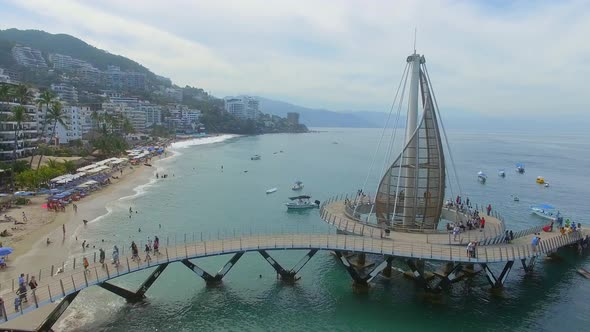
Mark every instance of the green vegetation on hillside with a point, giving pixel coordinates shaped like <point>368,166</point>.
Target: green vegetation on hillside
<point>68,45</point>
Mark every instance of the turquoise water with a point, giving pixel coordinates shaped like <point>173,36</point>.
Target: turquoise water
<point>200,200</point>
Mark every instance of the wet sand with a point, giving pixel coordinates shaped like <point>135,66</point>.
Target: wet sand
<point>31,250</point>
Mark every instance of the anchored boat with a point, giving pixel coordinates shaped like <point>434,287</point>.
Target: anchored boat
<point>545,211</point>
<point>255,157</point>
<point>297,186</point>
<point>271,190</point>
<point>302,202</point>
<point>481,177</point>
<point>502,173</point>
<point>520,168</point>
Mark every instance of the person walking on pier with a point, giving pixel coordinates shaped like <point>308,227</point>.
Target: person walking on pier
<point>116,255</point>
<point>86,264</point>
<point>134,251</point>
<point>147,253</point>
<point>101,256</point>
<point>456,231</point>
<point>489,209</point>
<point>156,245</point>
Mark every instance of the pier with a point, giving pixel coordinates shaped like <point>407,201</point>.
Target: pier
<point>62,288</point>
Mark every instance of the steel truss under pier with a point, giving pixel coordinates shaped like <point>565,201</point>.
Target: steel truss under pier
<point>288,275</point>
<point>497,282</point>
<point>216,279</point>
<point>528,268</point>
<point>362,279</point>
<point>140,293</point>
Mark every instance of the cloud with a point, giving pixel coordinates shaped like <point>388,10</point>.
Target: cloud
<point>484,57</point>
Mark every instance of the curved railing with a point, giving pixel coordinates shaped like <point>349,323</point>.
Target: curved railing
<point>77,278</point>
<point>488,235</point>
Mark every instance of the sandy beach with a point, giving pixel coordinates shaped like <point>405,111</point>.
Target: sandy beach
<point>31,251</point>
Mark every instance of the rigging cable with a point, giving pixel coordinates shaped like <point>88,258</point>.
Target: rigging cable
<point>444,132</point>
<point>381,138</point>
<point>390,147</point>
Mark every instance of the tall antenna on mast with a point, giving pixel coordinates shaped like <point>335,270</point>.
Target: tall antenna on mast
<point>415,33</point>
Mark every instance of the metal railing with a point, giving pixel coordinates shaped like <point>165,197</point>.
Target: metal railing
<point>78,277</point>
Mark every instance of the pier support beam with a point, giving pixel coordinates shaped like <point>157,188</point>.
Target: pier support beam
<point>528,268</point>
<point>216,279</point>
<point>140,293</point>
<point>47,324</point>
<point>362,282</point>
<point>288,275</point>
<point>417,268</point>
<point>497,282</point>
<point>451,276</point>
<point>388,268</point>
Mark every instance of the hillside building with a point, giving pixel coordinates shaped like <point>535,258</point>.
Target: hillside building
<point>28,57</point>
<point>243,107</point>
<point>27,136</point>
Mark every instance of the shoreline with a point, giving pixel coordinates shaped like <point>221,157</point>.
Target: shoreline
<point>30,249</point>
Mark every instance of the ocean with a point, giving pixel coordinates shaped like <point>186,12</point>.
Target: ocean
<point>199,199</point>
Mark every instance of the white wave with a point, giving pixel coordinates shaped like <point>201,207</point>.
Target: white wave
<point>201,141</point>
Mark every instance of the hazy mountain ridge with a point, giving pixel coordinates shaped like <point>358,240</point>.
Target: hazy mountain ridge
<point>315,117</point>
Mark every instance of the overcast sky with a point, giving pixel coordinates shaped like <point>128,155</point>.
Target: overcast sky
<point>493,57</point>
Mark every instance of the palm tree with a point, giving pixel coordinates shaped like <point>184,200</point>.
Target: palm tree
<point>46,98</point>
<point>56,115</point>
<point>19,115</point>
<point>127,126</point>
<point>23,94</point>
<point>70,166</point>
<point>5,92</point>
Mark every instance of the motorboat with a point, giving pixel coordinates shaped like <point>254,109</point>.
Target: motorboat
<point>255,157</point>
<point>302,202</point>
<point>545,211</point>
<point>482,177</point>
<point>502,173</point>
<point>516,199</point>
<point>520,168</point>
<point>297,186</point>
<point>272,190</point>
<point>546,184</point>
<point>540,180</point>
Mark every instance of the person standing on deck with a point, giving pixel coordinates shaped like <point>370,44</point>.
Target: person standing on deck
<point>101,256</point>
<point>489,208</point>
<point>115,255</point>
<point>86,264</point>
<point>482,223</point>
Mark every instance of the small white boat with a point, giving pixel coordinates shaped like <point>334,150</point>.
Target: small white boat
<point>520,168</point>
<point>516,199</point>
<point>271,190</point>
<point>301,203</point>
<point>545,211</point>
<point>297,186</point>
<point>255,157</point>
<point>481,177</point>
<point>502,173</point>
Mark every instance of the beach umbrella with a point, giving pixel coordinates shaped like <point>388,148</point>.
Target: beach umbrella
<point>4,251</point>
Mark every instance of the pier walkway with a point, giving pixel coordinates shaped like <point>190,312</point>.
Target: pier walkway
<point>64,286</point>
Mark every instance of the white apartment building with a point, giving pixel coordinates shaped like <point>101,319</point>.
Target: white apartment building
<point>66,93</point>
<point>136,116</point>
<point>74,119</point>
<point>28,57</point>
<point>243,107</point>
<point>153,115</point>
<point>27,134</point>
<point>66,62</point>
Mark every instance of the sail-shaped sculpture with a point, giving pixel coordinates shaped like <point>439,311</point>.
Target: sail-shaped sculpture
<point>411,193</point>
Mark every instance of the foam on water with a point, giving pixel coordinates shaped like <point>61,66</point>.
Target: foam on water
<point>201,141</point>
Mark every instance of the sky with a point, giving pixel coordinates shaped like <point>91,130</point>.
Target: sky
<point>530,58</point>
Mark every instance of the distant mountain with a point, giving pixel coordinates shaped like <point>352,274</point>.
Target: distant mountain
<point>324,118</point>
<point>63,44</point>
